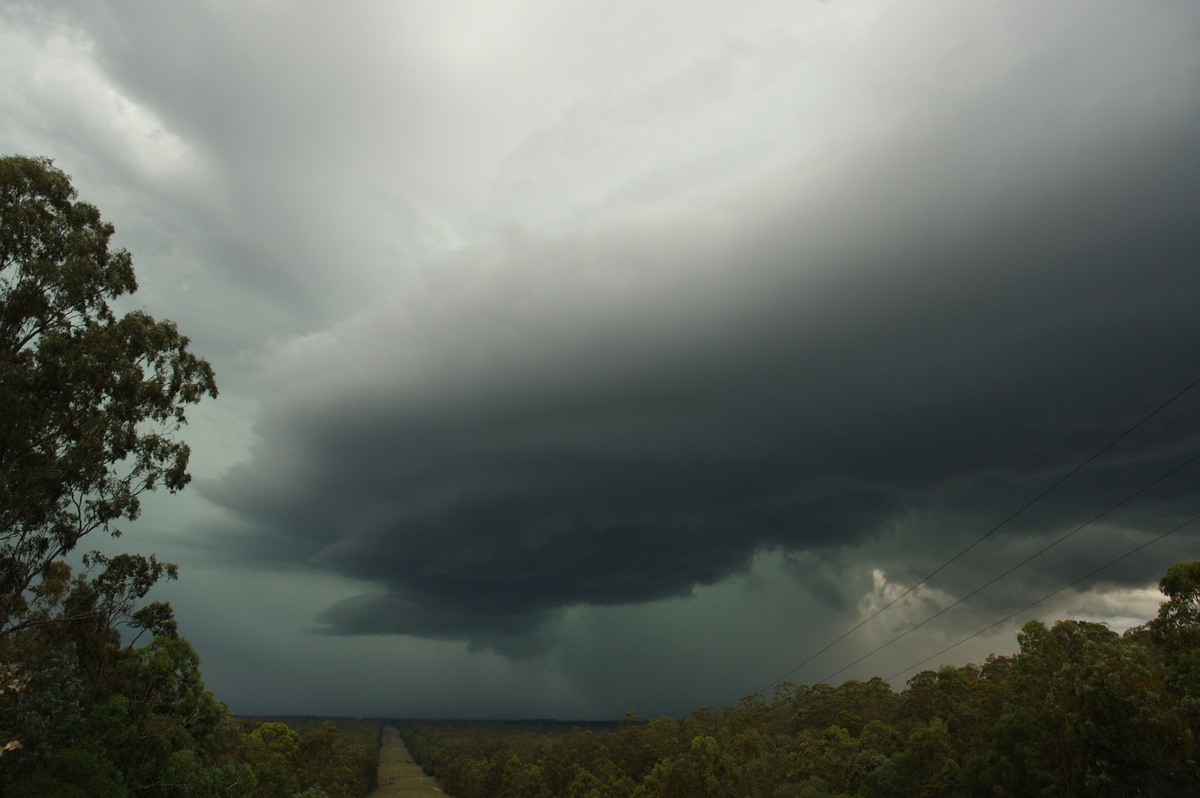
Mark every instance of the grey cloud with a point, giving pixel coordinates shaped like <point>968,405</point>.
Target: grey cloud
<point>912,339</point>
<point>835,290</point>
<point>629,340</point>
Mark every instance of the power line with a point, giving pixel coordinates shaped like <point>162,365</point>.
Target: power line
<point>1049,595</point>
<point>1022,563</point>
<point>989,533</point>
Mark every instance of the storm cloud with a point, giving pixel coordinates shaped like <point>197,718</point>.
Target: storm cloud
<point>955,313</point>
<point>584,357</point>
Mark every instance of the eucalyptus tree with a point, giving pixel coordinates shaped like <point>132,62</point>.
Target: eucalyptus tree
<point>91,402</point>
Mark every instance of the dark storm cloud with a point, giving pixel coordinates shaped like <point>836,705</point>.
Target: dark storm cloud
<point>651,345</point>
<point>929,334</point>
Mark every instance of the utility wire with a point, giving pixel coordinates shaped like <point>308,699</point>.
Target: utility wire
<point>1050,595</point>
<point>987,534</point>
<point>1022,563</point>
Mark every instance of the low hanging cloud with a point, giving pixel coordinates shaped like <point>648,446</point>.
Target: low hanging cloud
<point>545,442</point>
<point>615,405</point>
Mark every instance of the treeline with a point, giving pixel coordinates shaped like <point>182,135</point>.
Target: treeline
<point>84,714</point>
<point>1078,711</point>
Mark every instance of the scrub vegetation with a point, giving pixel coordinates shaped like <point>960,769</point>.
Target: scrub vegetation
<point>1078,711</point>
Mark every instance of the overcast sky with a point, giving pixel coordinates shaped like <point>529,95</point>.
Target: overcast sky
<point>594,356</point>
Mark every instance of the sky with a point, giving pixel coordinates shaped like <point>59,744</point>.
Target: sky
<point>579,358</point>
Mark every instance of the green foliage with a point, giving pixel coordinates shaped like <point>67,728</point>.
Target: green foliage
<point>339,765</point>
<point>274,753</point>
<point>1178,621</point>
<point>91,400</point>
<point>312,756</point>
<point>139,718</point>
<point>70,773</point>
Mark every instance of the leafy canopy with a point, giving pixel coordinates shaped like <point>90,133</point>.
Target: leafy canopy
<point>89,401</point>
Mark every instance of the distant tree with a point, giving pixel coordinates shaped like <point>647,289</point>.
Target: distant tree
<point>1179,616</point>
<point>275,756</point>
<point>89,401</point>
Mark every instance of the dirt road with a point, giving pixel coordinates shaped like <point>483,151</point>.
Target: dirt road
<point>399,775</point>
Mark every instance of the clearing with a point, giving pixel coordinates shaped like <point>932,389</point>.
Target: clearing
<point>399,775</point>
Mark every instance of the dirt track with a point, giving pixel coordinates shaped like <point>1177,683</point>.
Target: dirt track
<point>399,775</point>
